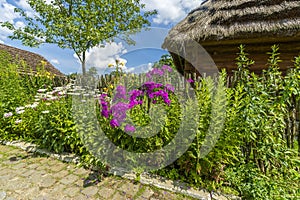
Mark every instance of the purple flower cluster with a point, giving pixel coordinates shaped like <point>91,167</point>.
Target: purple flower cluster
<point>159,71</point>
<point>133,100</point>
<point>151,89</point>
<point>129,128</point>
<point>119,111</point>
<point>105,111</point>
<point>120,93</point>
<point>166,68</point>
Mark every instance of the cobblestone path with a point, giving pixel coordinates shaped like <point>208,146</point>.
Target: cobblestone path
<point>29,176</point>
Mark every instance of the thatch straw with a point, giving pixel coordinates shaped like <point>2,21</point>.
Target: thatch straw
<point>33,60</point>
<point>220,26</point>
<point>232,19</point>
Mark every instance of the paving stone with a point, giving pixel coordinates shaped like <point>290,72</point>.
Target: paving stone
<point>58,188</point>
<point>5,172</point>
<point>146,194</point>
<point>32,166</point>
<point>8,163</point>
<point>120,196</point>
<point>129,188</point>
<point>79,183</point>
<point>44,197</point>
<point>113,183</point>
<point>16,184</point>
<point>28,173</point>
<point>47,181</point>
<point>44,160</point>
<point>106,192</point>
<point>45,178</point>
<point>80,171</point>
<point>60,174</point>
<point>36,176</point>
<point>53,162</point>
<point>80,197</point>
<point>71,168</point>
<point>11,198</point>
<point>16,151</point>
<point>32,192</point>
<point>43,168</point>
<point>58,167</point>
<point>71,178</point>
<point>21,171</point>
<point>19,165</point>
<point>2,195</point>
<point>90,191</point>
<point>71,191</point>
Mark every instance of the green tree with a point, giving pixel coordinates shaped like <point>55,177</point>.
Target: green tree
<point>79,24</point>
<point>92,71</point>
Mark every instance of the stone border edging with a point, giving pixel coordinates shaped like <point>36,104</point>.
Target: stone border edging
<point>145,178</point>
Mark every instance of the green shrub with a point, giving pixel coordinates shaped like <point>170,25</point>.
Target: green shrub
<point>256,154</point>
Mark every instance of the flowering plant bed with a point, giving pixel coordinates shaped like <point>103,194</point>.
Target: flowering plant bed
<point>256,155</point>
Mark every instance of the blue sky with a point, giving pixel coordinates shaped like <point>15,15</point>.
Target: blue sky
<point>139,57</point>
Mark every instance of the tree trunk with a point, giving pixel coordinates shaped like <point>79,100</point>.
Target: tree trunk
<point>83,64</point>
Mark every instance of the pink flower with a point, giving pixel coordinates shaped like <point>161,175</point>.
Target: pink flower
<point>113,123</point>
<point>129,128</point>
<point>190,80</point>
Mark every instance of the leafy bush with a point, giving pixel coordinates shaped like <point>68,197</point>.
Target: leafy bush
<point>257,153</point>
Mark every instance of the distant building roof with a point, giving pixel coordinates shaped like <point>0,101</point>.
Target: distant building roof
<point>220,26</point>
<point>234,19</point>
<point>33,60</point>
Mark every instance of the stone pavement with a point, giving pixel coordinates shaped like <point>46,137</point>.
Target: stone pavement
<point>26,175</point>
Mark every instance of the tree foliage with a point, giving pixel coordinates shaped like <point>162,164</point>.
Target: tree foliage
<point>79,24</point>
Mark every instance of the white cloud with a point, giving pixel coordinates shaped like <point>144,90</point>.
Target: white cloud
<point>23,4</point>
<point>26,7</point>
<point>55,61</point>
<point>144,68</point>
<point>101,57</point>
<point>4,32</point>
<point>170,11</point>
<point>7,12</point>
<point>19,24</point>
<point>1,42</point>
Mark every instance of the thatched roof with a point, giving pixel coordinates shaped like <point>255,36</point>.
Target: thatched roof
<point>220,26</point>
<point>33,60</point>
<point>234,19</point>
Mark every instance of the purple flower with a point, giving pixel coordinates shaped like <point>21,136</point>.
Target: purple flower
<point>120,93</point>
<point>135,93</point>
<point>161,93</point>
<point>190,80</point>
<point>166,68</point>
<point>105,113</point>
<point>150,86</point>
<point>157,71</point>
<point>170,87</point>
<point>119,111</point>
<point>114,123</point>
<point>104,105</point>
<point>134,102</point>
<point>148,75</point>
<point>129,128</point>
